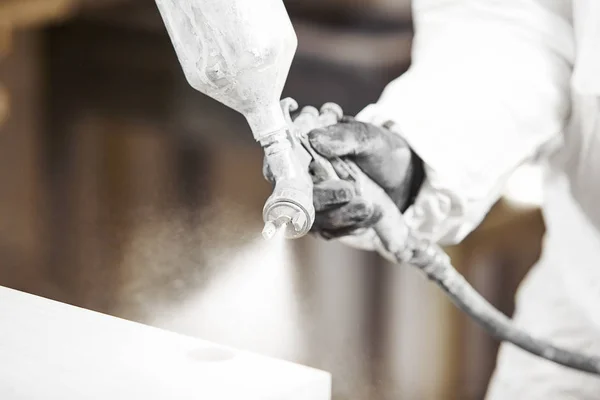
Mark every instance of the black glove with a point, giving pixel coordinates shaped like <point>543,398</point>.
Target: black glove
<point>382,155</point>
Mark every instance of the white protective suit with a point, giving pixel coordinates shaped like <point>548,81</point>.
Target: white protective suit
<point>495,83</point>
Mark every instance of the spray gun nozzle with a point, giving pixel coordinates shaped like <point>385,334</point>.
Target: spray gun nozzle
<point>269,230</point>
<point>288,156</point>
<point>290,206</point>
<point>273,227</point>
<point>281,215</point>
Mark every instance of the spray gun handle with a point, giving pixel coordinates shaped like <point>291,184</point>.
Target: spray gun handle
<point>391,232</point>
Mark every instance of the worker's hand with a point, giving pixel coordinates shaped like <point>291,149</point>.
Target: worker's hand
<point>382,155</point>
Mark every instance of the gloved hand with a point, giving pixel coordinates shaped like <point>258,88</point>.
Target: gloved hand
<point>382,155</point>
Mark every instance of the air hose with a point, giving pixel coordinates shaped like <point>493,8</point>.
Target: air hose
<point>436,265</point>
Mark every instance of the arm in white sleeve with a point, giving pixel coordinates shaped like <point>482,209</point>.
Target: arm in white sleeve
<point>488,87</point>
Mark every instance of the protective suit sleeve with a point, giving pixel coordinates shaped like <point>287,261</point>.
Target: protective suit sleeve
<point>487,89</point>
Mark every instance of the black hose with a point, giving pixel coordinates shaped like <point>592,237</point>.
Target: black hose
<point>436,265</point>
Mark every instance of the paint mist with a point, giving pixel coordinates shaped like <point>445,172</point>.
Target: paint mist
<point>241,292</point>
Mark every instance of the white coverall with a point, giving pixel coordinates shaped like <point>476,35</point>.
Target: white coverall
<point>495,83</point>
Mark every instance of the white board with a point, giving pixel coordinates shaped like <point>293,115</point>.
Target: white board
<point>50,350</point>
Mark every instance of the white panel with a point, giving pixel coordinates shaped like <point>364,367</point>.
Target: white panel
<point>50,350</point>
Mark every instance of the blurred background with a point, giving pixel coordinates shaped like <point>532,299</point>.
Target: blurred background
<point>124,191</point>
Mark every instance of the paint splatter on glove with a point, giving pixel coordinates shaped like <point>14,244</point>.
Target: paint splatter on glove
<point>383,155</point>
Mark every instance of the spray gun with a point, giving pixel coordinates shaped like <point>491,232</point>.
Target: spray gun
<point>239,52</point>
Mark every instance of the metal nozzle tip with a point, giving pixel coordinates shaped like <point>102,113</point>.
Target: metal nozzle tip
<point>269,230</point>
